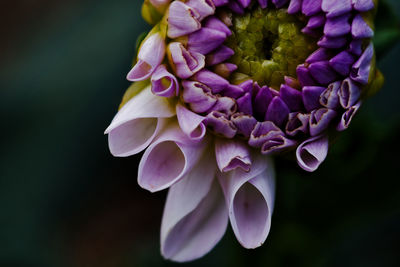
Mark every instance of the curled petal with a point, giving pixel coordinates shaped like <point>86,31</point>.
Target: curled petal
<point>195,215</point>
<point>250,200</point>
<point>342,62</point>
<point>312,152</point>
<point>277,143</point>
<point>221,54</point>
<point>232,154</point>
<point>150,56</point>
<point>226,105</point>
<point>298,123</point>
<point>220,124</point>
<point>362,68</point>
<point>347,117</point>
<point>332,42</point>
<point>320,120</point>
<point>337,26</point>
<point>137,123</point>
<point>262,132</point>
<point>304,76</point>
<point>245,104</point>
<point>244,124</point>
<point>198,96</point>
<point>349,93</point>
<point>169,158</point>
<point>163,83</point>
<point>330,97</point>
<point>182,20</point>
<point>185,63</point>
<point>191,123</point>
<point>261,101</point>
<point>204,8</point>
<point>321,54</point>
<point>322,72</point>
<point>279,3</point>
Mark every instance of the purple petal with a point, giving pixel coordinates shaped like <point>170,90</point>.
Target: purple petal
<point>151,54</point>
<point>298,123</point>
<point>216,24</point>
<point>363,5</point>
<point>233,91</point>
<point>330,97</point>
<point>332,42</point>
<point>263,3</point>
<point>245,105</point>
<point>304,76</point>
<point>356,47</point>
<point>277,112</point>
<point>195,215</point>
<point>218,123</point>
<point>322,72</point>
<point>204,8</point>
<point>276,144</point>
<point>312,152</point>
<point>221,54</point>
<point>185,63</point>
<point>232,154</point>
<point>244,124</point>
<point>226,105</point>
<point>191,123</point>
<point>347,117</point>
<point>236,7</point>
<point>334,8</point>
<point>250,200</point>
<point>311,96</point>
<point>316,21</point>
<point>262,132</point>
<point>198,96</point>
<point>163,83</point>
<point>294,6</point>
<point>169,158</point>
<point>220,2</point>
<point>137,123</point>
<point>337,26</point>
<point>212,80</point>
<point>182,20</point>
<point>321,54</point>
<point>224,69</point>
<point>342,63</point>
<point>320,120</point>
<point>349,93</point>
<point>360,29</point>
<point>279,3</point>
<point>311,7</point>
<point>292,97</point>
<point>361,69</point>
<point>205,40</point>
<point>244,3</point>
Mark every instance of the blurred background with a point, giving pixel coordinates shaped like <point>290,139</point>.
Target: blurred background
<point>65,201</point>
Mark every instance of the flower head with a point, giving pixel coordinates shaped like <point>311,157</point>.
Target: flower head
<point>220,86</point>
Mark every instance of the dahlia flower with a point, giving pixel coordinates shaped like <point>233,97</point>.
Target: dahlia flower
<point>220,88</point>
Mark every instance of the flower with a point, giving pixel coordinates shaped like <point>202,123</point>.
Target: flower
<point>223,85</point>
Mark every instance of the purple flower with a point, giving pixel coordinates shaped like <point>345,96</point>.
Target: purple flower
<point>223,85</point>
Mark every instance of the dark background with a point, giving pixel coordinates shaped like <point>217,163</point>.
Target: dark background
<point>65,201</point>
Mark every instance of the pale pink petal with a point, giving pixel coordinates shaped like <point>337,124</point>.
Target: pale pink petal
<point>137,123</point>
<point>312,152</point>
<point>232,154</point>
<point>151,54</point>
<point>250,200</point>
<point>195,216</point>
<point>169,158</point>
<point>191,123</point>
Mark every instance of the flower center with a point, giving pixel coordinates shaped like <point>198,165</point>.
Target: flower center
<point>268,45</point>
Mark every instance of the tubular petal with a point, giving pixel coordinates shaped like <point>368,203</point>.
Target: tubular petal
<point>250,200</point>
<point>169,158</point>
<point>312,152</point>
<point>137,123</point>
<point>232,154</point>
